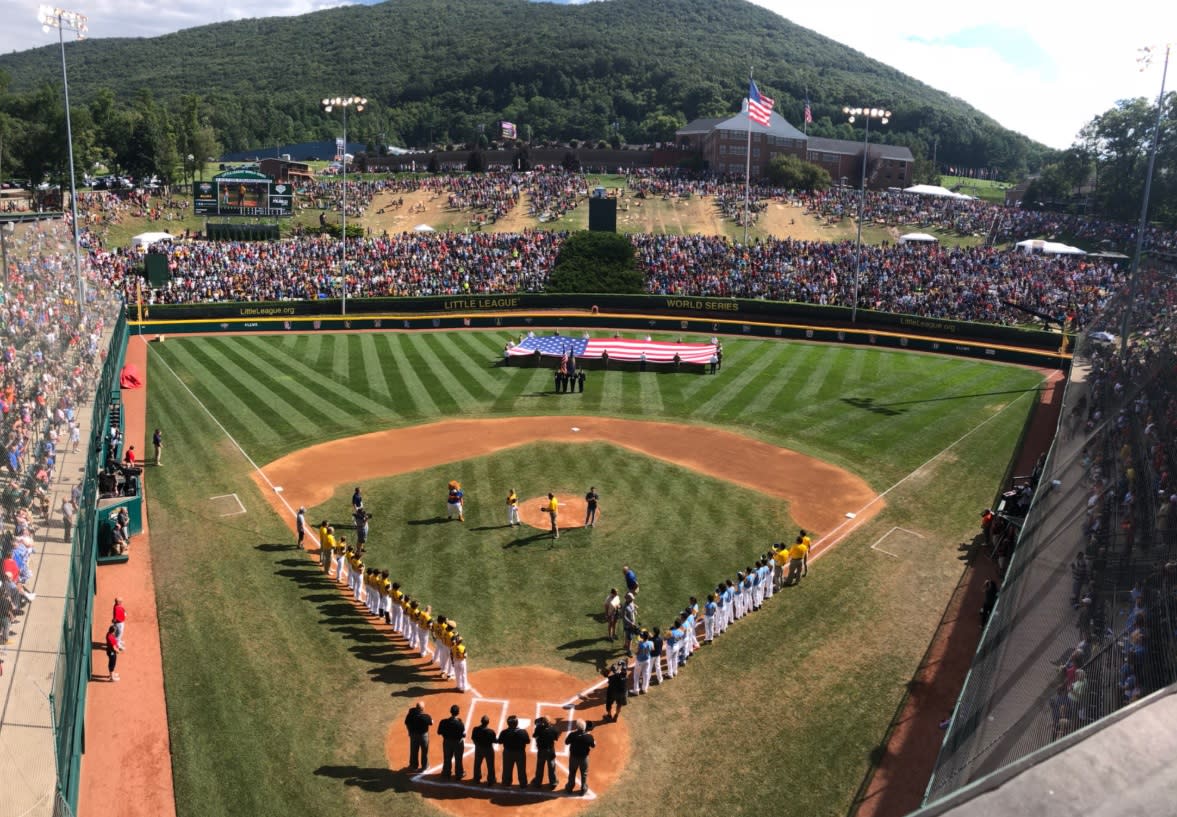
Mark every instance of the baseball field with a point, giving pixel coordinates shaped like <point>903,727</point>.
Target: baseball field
<point>284,697</point>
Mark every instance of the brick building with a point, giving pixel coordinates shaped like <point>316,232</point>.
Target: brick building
<point>723,143</point>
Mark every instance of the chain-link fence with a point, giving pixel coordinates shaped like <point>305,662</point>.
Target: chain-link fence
<point>1084,622</point>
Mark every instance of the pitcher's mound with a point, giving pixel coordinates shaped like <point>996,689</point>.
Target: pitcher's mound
<point>533,511</point>
<point>526,693</point>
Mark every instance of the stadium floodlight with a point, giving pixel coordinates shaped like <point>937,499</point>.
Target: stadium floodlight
<point>883,117</point>
<point>63,21</point>
<point>1145,60</point>
<point>328,105</point>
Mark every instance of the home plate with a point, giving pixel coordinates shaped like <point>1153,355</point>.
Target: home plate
<point>576,428</point>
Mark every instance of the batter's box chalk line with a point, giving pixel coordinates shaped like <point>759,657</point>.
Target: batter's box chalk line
<point>236,508</point>
<point>875,546</point>
<point>431,777</point>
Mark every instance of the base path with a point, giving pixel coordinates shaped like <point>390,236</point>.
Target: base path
<point>819,494</point>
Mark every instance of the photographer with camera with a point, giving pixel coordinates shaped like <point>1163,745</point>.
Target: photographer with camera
<point>616,689</point>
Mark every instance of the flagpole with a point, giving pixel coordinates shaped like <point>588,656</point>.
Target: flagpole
<point>748,156</point>
<point>804,118</point>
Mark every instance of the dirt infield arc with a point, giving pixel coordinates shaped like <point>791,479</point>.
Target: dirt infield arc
<point>819,494</point>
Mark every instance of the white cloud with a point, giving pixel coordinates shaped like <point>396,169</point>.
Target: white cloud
<point>1085,58</point>
<point>1090,53</point>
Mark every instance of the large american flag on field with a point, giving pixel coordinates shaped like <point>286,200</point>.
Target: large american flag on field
<point>759,106</point>
<point>618,348</point>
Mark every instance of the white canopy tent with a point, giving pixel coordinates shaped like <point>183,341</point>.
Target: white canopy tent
<point>1033,245</point>
<point>423,228</point>
<point>147,239</point>
<point>918,238</point>
<point>935,190</point>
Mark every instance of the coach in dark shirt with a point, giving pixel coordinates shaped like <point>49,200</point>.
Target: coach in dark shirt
<point>515,742</point>
<point>579,742</point>
<point>452,732</point>
<point>417,723</point>
<point>484,750</point>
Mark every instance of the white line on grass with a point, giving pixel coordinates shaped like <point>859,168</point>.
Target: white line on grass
<point>875,546</point>
<point>276,489</point>
<point>235,498</point>
<point>851,520</point>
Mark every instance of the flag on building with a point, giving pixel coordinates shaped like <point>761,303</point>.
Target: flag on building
<point>509,130</point>
<point>808,112</point>
<point>759,106</point>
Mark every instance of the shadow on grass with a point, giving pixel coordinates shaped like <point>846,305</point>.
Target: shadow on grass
<point>598,656</point>
<point>523,541</point>
<point>367,639</point>
<point>868,404</point>
<point>273,547</point>
<point>374,780</point>
<point>433,520</point>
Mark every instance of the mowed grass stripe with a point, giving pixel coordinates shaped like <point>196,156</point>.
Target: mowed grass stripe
<point>739,397</point>
<point>317,385</point>
<point>515,382</point>
<point>480,382</point>
<point>373,368</point>
<point>340,357</point>
<point>246,425</point>
<point>765,402</point>
<point>442,371</point>
<point>650,391</point>
<point>743,378</point>
<point>276,393</point>
<point>414,390</point>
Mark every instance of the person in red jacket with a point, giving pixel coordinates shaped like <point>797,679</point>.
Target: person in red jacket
<point>118,619</point>
<point>112,654</point>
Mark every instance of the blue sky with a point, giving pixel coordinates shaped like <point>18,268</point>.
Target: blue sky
<point>1043,68</point>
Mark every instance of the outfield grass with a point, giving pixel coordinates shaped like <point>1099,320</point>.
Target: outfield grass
<point>264,658</point>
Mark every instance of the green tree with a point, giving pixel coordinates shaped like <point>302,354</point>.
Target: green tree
<point>797,174</point>
<point>596,262</point>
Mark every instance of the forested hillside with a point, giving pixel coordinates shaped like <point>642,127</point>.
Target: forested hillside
<point>444,71</point>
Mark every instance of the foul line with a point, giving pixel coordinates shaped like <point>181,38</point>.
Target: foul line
<point>249,459</point>
<point>875,546</point>
<point>851,521</point>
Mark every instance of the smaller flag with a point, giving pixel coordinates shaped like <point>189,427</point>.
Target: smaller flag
<point>808,112</point>
<point>564,362</point>
<point>509,130</point>
<point>759,106</point>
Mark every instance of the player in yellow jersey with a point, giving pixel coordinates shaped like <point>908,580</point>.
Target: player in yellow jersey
<point>805,540</point>
<point>512,508</point>
<point>424,620</point>
<point>459,656</point>
<point>326,546</point>
<point>552,508</point>
<point>340,554</point>
<point>398,608</point>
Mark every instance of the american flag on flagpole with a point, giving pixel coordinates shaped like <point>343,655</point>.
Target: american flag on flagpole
<point>564,362</point>
<point>759,106</point>
<point>808,112</point>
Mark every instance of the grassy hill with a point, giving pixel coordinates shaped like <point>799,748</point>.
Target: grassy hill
<point>439,69</point>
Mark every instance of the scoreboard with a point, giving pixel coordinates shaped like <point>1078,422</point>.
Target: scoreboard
<point>243,193</point>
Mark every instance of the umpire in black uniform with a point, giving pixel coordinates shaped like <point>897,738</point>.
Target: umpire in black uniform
<point>515,742</point>
<point>484,741</point>
<point>452,732</point>
<point>417,723</point>
<point>545,751</point>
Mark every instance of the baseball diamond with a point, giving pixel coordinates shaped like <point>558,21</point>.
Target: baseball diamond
<point>777,430</point>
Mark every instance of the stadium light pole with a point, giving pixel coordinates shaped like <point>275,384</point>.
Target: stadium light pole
<point>1133,275</point>
<point>343,103</point>
<point>64,20</point>
<point>867,114</point>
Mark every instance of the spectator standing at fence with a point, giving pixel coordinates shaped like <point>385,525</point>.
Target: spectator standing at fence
<point>113,648</point>
<point>68,517</point>
<point>1080,573</point>
<point>118,619</point>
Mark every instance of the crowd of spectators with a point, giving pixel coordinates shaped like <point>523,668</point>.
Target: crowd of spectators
<point>49,356</point>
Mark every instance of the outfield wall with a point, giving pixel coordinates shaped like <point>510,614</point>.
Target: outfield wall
<point>654,313</point>
<point>74,654</point>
